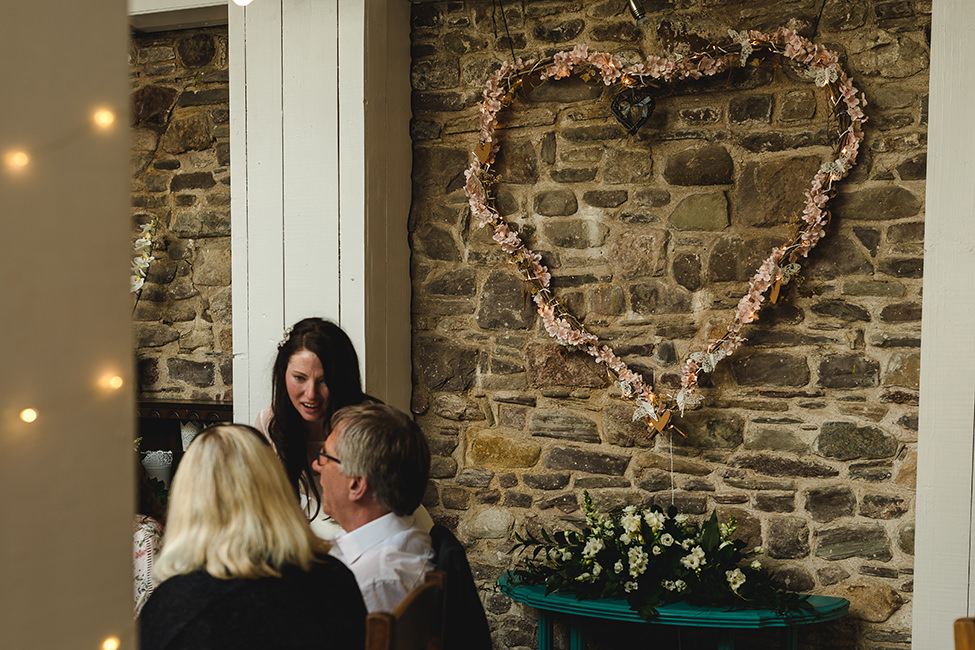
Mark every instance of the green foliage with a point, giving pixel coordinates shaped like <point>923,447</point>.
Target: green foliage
<point>159,490</point>
<point>652,557</point>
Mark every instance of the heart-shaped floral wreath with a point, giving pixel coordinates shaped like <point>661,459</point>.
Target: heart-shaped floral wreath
<point>778,268</point>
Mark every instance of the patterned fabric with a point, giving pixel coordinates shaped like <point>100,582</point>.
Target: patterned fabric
<point>146,542</point>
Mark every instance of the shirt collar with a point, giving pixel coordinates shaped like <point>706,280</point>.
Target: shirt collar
<point>356,542</point>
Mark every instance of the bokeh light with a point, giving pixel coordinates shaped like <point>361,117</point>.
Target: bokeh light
<point>16,159</point>
<point>111,381</point>
<point>103,118</point>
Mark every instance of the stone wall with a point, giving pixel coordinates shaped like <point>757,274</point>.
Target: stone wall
<point>808,434</point>
<point>181,176</point>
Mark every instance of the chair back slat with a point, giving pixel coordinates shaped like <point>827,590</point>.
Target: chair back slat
<point>965,634</point>
<point>379,631</point>
<point>416,624</point>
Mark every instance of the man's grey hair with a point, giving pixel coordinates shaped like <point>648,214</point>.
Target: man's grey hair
<point>385,446</point>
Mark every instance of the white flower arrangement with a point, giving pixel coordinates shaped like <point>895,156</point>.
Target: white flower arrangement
<point>661,557</point>
<point>593,546</point>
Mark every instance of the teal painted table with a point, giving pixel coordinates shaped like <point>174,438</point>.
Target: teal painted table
<point>823,608</point>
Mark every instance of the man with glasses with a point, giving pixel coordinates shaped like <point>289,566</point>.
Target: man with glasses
<point>373,470</point>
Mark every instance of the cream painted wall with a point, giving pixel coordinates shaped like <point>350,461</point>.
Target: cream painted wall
<point>65,480</point>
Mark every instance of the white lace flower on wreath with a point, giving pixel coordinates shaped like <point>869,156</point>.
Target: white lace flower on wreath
<point>745,43</point>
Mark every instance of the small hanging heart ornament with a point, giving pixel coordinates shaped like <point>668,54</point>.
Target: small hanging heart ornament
<point>632,105</point>
<point>659,423</point>
<point>483,152</point>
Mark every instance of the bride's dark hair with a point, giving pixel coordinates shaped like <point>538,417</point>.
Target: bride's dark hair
<point>340,366</point>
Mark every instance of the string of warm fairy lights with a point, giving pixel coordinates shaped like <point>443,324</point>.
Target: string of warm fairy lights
<point>106,383</point>
<point>18,159</point>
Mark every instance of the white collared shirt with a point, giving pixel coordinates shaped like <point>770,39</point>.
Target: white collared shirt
<point>389,557</point>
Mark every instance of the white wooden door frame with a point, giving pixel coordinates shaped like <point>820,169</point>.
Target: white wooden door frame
<point>943,547</point>
<point>320,179</point>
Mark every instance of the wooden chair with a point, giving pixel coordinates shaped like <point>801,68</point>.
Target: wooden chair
<point>416,624</point>
<point>965,634</point>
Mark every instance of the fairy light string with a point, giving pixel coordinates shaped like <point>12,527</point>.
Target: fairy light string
<point>19,158</point>
<point>778,269</point>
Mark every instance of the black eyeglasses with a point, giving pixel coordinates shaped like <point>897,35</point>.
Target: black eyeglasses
<point>322,456</point>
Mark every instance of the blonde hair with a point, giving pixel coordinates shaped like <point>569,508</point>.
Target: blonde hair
<point>232,512</point>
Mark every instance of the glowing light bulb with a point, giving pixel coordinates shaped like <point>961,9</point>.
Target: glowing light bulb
<point>16,159</point>
<point>111,381</point>
<point>103,118</point>
<point>28,415</point>
<point>242,3</point>
<point>111,643</point>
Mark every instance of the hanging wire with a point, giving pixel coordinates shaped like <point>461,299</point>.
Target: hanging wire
<point>494,10</point>
<point>671,438</point>
<point>819,17</point>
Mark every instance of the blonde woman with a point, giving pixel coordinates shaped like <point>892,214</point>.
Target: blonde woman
<point>240,568</point>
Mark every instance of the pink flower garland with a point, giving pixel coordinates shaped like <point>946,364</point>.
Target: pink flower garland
<point>821,65</point>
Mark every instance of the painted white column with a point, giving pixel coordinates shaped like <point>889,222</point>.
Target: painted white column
<point>320,184</point>
<point>944,564</point>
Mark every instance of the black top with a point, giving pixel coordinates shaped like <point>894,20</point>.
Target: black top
<point>465,624</point>
<point>318,609</point>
